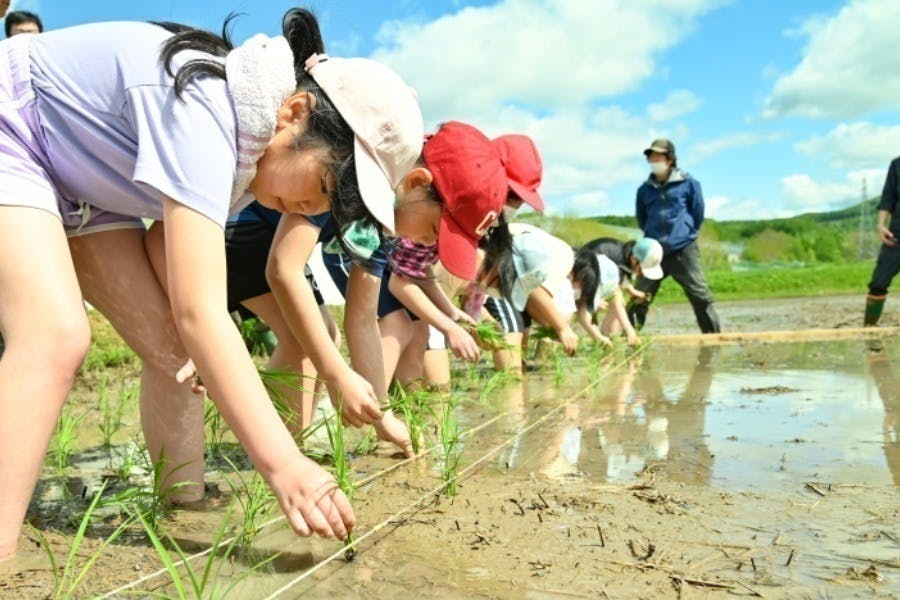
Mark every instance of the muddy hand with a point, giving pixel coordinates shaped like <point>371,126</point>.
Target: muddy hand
<point>355,398</point>
<point>393,430</point>
<point>311,499</point>
<point>189,372</point>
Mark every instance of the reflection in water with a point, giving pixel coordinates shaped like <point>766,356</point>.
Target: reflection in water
<point>745,416</point>
<point>889,390</point>
<point>688,458</point>
<point>632,423</point>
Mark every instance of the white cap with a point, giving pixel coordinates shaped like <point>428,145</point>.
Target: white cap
<point>649,254</point>
<point>383,113</point>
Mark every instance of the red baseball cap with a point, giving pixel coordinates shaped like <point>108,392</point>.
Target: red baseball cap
<point>524,168</point>
<point>471,183</point>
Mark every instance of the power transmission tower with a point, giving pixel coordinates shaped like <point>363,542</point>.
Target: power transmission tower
<point>866,225</point>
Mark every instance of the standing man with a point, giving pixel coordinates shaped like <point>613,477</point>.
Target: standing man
<point>21,21</point>
<point>888,263</point>
<point>669,209</point>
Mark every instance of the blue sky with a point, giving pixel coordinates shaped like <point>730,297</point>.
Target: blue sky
<point>776,107</point>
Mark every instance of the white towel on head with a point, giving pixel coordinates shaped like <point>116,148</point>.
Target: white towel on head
<point>260,74</point>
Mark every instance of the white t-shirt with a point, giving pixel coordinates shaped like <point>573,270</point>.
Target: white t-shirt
<point>562,257</point>
<point>116,136</point>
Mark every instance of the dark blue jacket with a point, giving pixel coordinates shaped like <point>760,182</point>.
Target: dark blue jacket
<point>670,212</point>
<point>890,194</point>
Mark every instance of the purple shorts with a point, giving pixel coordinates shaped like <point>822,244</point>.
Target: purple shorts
<point>25,178</point>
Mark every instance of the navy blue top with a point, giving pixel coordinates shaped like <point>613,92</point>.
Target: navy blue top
<point>257,213</point>
<point>670,212</point>
<point>889,195</point>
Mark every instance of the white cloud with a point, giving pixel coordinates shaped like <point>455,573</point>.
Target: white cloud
<point>586,204</point>
<point>543,68</point>
<point>724,208</point>
<point>676,104</point>
<point>707,148</point>
<point>851,65</point>
<point>802,193</point>
<point>858,145</point>
<point>539,53</point>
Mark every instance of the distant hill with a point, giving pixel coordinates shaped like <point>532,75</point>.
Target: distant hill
<point>843,220</point>
<point>821,237</point>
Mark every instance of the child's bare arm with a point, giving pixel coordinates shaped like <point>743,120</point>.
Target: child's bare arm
<point>294,241</point>
<point>195,266</point>
<point>541,307</point>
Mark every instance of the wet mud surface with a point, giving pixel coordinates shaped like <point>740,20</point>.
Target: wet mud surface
<point>756,470</point>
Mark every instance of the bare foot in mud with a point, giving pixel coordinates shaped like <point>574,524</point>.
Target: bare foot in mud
<point>393,430</point>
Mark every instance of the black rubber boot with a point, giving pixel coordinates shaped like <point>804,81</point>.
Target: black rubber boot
<point>707,318</point>
<point>874,307</point>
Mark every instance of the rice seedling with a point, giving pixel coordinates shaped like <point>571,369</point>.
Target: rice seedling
<point>130,457</point>
<point>190,582</point>
<point>452,453</point>
<point>415,407</point>
<point>341,468</point>
<point>112,415</point>
<point>216,429</point>
<point>151,502</point>
<point>497,381</point>
<point>67,577</point>
<point>487,334</point>
<point>63,441</point>
<point>279,383</point>
<point>559,369</point>
<point>367,444</point>
<point>255,499</point>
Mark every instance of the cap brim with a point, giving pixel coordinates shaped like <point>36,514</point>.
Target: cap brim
<point>530,197</point>
<point>457,251</point>
<point>653,273</point>
<point>374,186</point>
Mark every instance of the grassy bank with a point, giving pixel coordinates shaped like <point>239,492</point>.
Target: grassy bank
<point>780,282</point>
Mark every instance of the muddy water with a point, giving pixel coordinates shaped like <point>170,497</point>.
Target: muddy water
<point>745,417</point>
<point>746,469</point>
<point>769,468</point>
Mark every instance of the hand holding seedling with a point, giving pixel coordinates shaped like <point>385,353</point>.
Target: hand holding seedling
<point>311,499</point>
<point>461,315</point>
<point>463,345</point>
<point>189,372</point>
<point>569,340</point>
<point>355,398</point>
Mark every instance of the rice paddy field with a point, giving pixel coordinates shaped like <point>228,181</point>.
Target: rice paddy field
<point>764,470</point>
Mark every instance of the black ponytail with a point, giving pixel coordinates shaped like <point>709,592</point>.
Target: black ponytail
<point>326,129</point>
<point>586,273</point>
<point>189,38</point>
<point>498,255</point>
